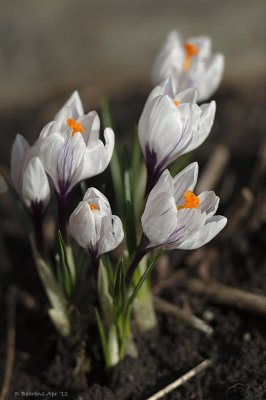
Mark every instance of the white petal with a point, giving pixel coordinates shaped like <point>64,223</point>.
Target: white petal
<point>184,181</point>
<point>212,77</point>
<point>63,160</point>
<point>35,185</point>
<point>203,44</point>
<point>214,225</point>
<point>112,234</point>
<point>201,132</point>
<point>186,96</point>
<point>85,226</point>
<point>97,199</point>
<point>159,218</point>
<point>208,203</point>
<point>91,124</point>
<point>19,148</point>
<point>73,107</point>
<point>97,155</point>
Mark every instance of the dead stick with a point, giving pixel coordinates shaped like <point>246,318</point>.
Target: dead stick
<point>226,295</point>
<point>180,381</point>
<point>214,169</point>
<point>11,335</point>
<point>171,309</point>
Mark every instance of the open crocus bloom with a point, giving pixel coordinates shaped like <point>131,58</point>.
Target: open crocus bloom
<point>28,175</point>
<point>190,64</point>
<point>93,225</point>
<point>175,218</point>
<point>171,125</point>
<point>70,148</point>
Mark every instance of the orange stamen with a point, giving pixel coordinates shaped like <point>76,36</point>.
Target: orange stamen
<point>191,200</point>
<point>191,51</point>
<point>176,102</point>
<point>93,207</point>
<point>75,126</point>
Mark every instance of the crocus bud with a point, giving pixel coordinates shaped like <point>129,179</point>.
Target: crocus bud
<point>190,64</point>
<point>175,218</point>
<point>28,174</point>
<point>70,148</point>
<point>171,125</point>
<point>93,226</point>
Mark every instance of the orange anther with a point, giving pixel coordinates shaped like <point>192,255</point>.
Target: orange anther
<point>191,51</point>
<point>191,200</point>
<point>93,207</point>
<point>176,102</point>
<point>75,126</point>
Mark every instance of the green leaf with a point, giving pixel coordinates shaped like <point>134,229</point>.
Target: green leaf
<point>103,338</point>
<point>65,268</point>
<point>135,160</point>
<point>83,187</point>
<point>130,228</point>
<point>120,288</point>
<point>114,163</point>
<point>143,277</point>
<point>106,299</point>
<point>181,163</point>
<point>109,269</point>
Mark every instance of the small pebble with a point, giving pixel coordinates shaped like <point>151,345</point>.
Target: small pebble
<point>247,336</point>
<point>208,315</point>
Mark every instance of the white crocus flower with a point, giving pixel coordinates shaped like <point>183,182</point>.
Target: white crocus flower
<point>70,148</point>
<point>171,125</point>
<point>28,175</point>
<point>190,64</point>
<point>175,218</point>
<point>93,225</point>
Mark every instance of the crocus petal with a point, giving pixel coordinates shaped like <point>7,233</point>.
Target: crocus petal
<point>186,96</point>
<point>214,72</point>
<point>63,160</point>
<point>189,222</point>
<point>112,234</point>
<point>184,181</point>
<point>213,226</point>
<point>208,203</point>
<point>91,125</point>
<point>202,43</point>
<point>160,207</point>
<point>204,127</point>
<point>94,197</point>
<point>35,185</point>
<point>84,227</point>
<point>18,152</point>
<point>72,108</point>
<point>97,156</point>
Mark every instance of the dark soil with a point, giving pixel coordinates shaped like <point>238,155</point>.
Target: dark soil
<point>45,365</point>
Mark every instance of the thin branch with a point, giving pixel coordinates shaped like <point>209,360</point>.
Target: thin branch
<point>11,336</point>
<point>225,295</point>
<point>214,169</point>
<point>171,309</point>
<point>180,381</point>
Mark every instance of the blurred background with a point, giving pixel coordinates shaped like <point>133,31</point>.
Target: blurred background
<point>107,47</point>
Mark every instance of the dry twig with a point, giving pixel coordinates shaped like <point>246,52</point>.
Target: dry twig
<point>226,295</point>
<point>214,169</point>
<point>171,309</point>
<point>11,335</point>
<point>180,381</point>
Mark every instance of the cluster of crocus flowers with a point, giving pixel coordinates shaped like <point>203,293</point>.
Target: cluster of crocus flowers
<point>69,150</point>
<point>190,63</point>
